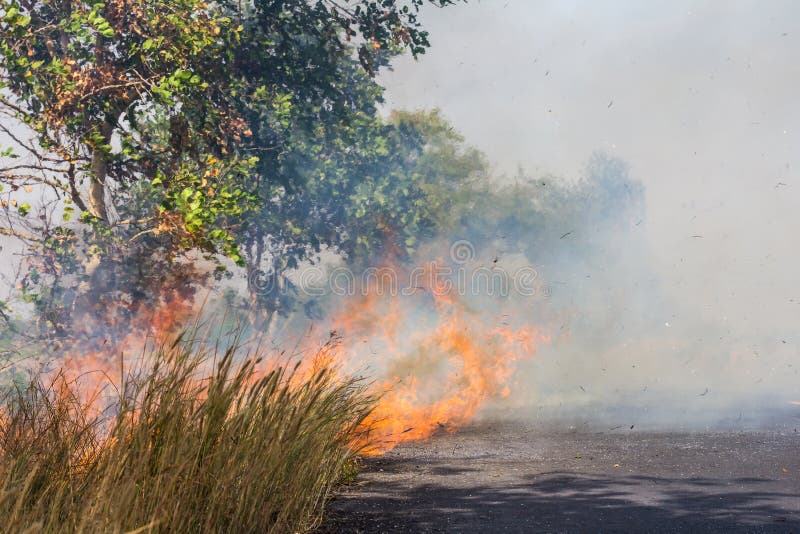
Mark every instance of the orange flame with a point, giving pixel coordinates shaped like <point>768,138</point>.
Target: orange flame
<point>103,345</point>
<point>440,360</point>
<point>442,375</point>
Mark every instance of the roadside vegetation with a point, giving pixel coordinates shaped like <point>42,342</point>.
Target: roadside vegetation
<point>197,442</point>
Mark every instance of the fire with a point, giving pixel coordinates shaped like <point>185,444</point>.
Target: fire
<point>104,345</point>
<point>437,360</point>
<point>440,369</point>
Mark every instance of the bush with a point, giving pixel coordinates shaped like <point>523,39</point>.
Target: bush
<point>248,448</point>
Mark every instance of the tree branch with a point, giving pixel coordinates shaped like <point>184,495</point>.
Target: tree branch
<point>32,167</point>
<point>19,235</point>
<point>17,178</point>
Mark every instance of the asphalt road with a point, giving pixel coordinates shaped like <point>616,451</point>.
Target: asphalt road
<point>512,478</point>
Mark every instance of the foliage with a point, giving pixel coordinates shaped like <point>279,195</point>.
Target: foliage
<point>533,215</point>
<point>248,449</point>
<point>162,124</point>
<point>361,188</point>
<point>88,78</point>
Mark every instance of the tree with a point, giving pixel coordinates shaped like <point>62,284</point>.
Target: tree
<point>151,119</point>
<point>361,187</point>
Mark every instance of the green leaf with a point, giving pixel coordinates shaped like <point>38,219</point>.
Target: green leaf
<point>24,208</point>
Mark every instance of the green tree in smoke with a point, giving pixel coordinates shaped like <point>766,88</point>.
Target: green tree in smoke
<point>166,126</point>
<point>536,214</point>
<point>361,188</point>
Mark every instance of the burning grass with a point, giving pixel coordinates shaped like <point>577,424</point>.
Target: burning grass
<point>244,449</point>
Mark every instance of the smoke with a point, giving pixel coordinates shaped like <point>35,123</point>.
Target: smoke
<point>688,318</point>
<point>627,350</point>
<point>572,263</point>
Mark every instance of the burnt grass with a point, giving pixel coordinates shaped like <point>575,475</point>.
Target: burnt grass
<point>509,477</point>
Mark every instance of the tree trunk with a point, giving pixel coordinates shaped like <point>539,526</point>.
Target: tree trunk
<point>256,313</point>
<point>97,186</point>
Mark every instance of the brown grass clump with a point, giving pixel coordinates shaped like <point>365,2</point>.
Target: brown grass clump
<point>243,450</point>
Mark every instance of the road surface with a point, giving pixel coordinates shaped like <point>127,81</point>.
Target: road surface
<point>512,478</point>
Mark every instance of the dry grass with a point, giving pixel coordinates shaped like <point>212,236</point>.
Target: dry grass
<point>242,451</point>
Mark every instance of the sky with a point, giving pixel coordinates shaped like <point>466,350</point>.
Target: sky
<point>700,98</point>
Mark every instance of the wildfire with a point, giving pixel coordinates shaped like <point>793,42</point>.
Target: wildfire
<point>104,344</point>
<point>439,368</point>
<point>437,360</point>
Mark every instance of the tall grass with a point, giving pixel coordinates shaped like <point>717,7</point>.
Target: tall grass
<point>243,450</point>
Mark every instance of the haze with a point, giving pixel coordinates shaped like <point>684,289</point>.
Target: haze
<point>700,99</point>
